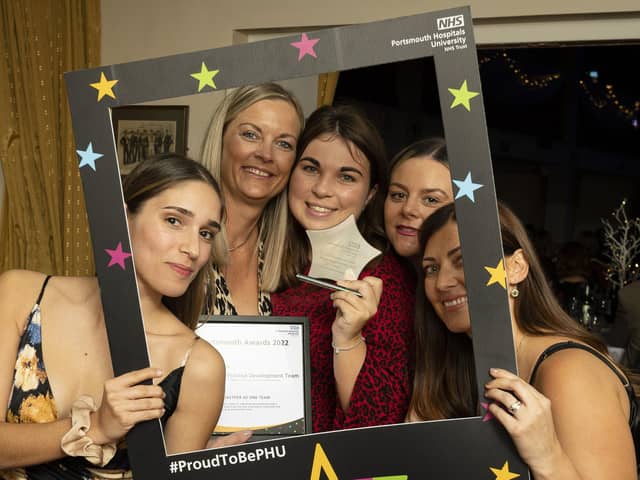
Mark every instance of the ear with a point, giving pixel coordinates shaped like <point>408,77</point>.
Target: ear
<point>372,193</point>
<point>517,267</point>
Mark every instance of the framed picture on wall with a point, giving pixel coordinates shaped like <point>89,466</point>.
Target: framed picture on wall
<point>143,131</point>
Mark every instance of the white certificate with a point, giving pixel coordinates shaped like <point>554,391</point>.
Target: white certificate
<point>265,375</point>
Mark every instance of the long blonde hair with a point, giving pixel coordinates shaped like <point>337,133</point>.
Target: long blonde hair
<point>272,226</point>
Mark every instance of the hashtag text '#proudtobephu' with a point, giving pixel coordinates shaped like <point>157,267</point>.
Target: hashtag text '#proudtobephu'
<point>225,459</point>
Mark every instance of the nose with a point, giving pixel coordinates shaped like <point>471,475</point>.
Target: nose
<point>410,208</point>
<point>446,278</point>
<point>321,188</point>
<point>191,245</point>
<point>264,150</point>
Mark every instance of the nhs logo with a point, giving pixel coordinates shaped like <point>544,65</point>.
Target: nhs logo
<point>444,23</point>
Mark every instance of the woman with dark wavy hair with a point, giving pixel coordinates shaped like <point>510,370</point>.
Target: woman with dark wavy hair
<point>569,410</point>
<point>360,345</point>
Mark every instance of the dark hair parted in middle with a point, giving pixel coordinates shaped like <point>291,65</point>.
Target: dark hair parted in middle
<point>445,380</point>
<point>352,126</point>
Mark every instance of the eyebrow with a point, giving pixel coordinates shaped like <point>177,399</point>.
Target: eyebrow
<point>342,169</point>
<point>450,253</point>
<point>190,214</point>
<point>424,190</point>
<point>282,135</point>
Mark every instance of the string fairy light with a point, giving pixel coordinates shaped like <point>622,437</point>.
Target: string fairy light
<point>609,97</point>
<point>532,81</point>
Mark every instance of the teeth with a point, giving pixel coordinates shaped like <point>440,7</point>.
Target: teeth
<point>457,301</point>
<point>255,171</point>
<point>319,209</point>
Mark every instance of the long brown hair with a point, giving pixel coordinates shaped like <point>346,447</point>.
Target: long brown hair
<point>150,178</point>
<point>351,125</point>
<point>445,381</point>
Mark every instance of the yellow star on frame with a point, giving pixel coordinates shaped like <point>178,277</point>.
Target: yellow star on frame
<point>104,86</point>
<point>498,275</point>
<point>205,77</point>
<point>504,473</point>
<point>462,95</point>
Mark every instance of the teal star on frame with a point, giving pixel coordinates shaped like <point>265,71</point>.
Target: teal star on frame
<point>88,157</point>
<point>467,187</point>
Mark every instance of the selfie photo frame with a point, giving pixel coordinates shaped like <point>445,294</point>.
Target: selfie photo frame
<point>476,447</point>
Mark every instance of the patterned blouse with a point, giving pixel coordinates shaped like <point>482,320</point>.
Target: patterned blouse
<point>223,304</point>
<point>383,387</point>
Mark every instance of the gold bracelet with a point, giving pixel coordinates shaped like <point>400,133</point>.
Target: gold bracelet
<point>76,442</point>
<point>337,349</point>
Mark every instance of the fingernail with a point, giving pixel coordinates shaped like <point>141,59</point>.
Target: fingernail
<point>158,372</point>
<point>493,370</point>
<point>248,433</point>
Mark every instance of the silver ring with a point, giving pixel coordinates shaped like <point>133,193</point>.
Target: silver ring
<point>515,406</point>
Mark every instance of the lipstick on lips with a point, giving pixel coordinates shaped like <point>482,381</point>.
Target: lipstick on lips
<point>406,231</point>
<point>181,269</point>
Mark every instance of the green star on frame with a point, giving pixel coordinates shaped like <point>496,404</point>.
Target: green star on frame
<point>462,95</point>
<point>205,77</point>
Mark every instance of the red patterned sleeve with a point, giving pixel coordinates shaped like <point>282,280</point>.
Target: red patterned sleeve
<point>382,390</point>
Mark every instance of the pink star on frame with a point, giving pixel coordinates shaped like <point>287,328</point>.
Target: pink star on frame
<point>305,46</point>
<point>487,416</point>
<point>118,256</point>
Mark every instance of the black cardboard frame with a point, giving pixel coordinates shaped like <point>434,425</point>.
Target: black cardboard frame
<point>457,449</point>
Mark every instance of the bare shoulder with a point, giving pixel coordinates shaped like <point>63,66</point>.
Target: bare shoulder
<point>21,283</point>
<point>575,373</point>
<point>18,293</point>
<point>205,364</point>
<point>72,290</point>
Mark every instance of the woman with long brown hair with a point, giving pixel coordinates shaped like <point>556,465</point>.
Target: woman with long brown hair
<point>568,410</point>
<point>68,398</point>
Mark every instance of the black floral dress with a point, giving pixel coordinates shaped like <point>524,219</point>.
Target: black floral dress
<point>31,401</point>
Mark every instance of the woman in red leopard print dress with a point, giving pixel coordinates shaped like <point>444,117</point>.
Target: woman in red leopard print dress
<point>360,347</point>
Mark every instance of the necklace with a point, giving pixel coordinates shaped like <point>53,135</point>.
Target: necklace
<point>520,344</point>
<point>231,249</point>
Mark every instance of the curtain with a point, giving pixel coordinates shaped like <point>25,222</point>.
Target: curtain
<point>44,221</point>
<point>327,83</point>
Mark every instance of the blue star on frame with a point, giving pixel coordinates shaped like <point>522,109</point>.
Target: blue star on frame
<point>467,187</point>
<point>88,157</point>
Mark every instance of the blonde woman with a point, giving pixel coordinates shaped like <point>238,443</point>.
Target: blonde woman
<point>250,149</point>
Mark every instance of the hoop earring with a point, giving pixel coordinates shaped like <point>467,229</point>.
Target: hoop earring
<point>514,292</point>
